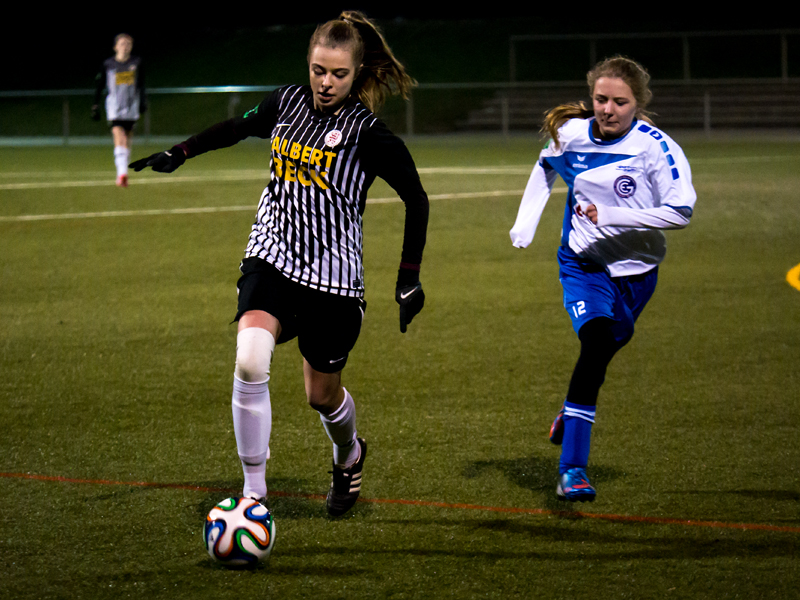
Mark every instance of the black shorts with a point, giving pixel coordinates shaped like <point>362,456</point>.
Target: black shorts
<point>326,325</point>
<point>126,125</point>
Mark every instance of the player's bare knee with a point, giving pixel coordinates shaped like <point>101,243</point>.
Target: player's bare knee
<point>254,348</point>
<point>318,400</point>
<point>324,400</point>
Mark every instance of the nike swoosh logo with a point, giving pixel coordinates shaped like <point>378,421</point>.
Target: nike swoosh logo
<point>407,294</point>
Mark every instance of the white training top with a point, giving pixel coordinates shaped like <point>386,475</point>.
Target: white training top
<point>640,183</point>
<point>122,81</point>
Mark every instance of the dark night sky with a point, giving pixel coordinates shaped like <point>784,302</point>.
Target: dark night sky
<point>32,48</point>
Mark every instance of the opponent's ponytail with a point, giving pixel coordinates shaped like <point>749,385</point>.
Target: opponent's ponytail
<point>559,115</point>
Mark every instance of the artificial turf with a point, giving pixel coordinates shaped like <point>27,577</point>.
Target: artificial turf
<point>116,351</point>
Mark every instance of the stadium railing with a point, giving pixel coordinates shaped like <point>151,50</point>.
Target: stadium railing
<point>62,116</point>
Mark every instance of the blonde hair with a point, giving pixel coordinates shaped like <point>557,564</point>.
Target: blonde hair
<point>380,74</point>
<point>119,36</point>
<point>632,73</point>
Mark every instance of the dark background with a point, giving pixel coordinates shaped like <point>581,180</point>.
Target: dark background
<point>255,45</point>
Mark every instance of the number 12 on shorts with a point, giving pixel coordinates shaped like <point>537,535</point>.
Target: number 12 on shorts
<point>579,308</point>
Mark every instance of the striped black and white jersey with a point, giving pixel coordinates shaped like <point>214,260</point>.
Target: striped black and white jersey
<point>124,85</point>
<point>309,219</point>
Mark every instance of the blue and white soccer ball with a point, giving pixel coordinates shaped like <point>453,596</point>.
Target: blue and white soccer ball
<point>239,532</point>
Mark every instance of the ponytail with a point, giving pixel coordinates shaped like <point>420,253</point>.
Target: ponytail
<point>559,115</point>
<point>380,74</point>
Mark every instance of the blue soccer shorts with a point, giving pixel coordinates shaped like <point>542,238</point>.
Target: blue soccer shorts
<point>590,292</point>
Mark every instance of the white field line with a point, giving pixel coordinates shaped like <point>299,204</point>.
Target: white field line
<point>232,175</point>
<point>229,175</point>
<point>110,182</point>
<point>248,208</point>
<point>263,174</point>
<point>259,174</point>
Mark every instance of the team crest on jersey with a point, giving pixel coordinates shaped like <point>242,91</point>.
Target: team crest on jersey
<point>333,138</point>
<point>625,186</point>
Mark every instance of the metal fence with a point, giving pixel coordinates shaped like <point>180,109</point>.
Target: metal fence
<point>682,99</point>
<point>45,111</point>
<point>705,105</point>
<point>62,116</point>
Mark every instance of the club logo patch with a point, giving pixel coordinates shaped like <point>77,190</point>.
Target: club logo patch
<point>625,186</point>
<point>333,138</point>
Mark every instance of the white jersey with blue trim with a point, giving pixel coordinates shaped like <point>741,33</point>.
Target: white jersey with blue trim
<point>640,183</point>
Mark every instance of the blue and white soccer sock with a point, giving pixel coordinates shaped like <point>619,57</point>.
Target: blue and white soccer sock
<point>578,420</point>
<point>252,410</point>
<point>341,429</point>
<point>122,156</point>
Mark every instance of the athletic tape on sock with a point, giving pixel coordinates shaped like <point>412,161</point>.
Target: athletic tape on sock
<point>254,349</point>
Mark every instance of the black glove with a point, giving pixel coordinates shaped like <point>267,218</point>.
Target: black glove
<point>95,113</point>
<point>163,162</point>
<point>409,296</point>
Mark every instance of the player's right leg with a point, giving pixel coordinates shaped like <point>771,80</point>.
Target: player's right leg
<point>576,417</point>
<point>592,302</point>
<point>250,402</point>
<point>122,152</point>
<point>265,319</point>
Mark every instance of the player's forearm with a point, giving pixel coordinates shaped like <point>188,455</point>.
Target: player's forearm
<point>415,228</point>
<point>534,199</point>
<point>661,217</point>
<point>221,135</point>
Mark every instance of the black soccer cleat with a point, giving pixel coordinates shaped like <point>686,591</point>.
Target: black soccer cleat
<point>346,485</point>
<point>264,500</point>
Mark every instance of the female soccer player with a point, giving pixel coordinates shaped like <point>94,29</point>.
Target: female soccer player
<point>121,77</point>
<point>302,275</point>
<point>626,180</point>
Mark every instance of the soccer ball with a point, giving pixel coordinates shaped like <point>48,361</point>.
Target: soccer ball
<point>239,532</point>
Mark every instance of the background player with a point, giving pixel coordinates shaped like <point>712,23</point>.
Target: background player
<point>627,180</point>
<point>122,80</point>
<point>302,275</point>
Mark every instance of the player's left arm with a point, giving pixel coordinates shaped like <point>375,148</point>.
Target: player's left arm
<point>673,195</point>
<point>387,156</point>
<point>99,88</point>
<point>257,122</point>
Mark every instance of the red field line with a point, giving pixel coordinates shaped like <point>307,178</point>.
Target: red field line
<point>425,503</point>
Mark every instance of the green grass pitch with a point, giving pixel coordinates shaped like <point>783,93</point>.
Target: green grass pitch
<point>116,354</point>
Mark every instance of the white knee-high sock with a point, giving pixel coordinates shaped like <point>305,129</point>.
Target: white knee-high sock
<point>252,410</point>
<point>121,159</point>
<point>341,429</point>
<point>252,425</point>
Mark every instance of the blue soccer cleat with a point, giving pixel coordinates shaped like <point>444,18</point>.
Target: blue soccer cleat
<point>574,486</point>
<point>557,428</point>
